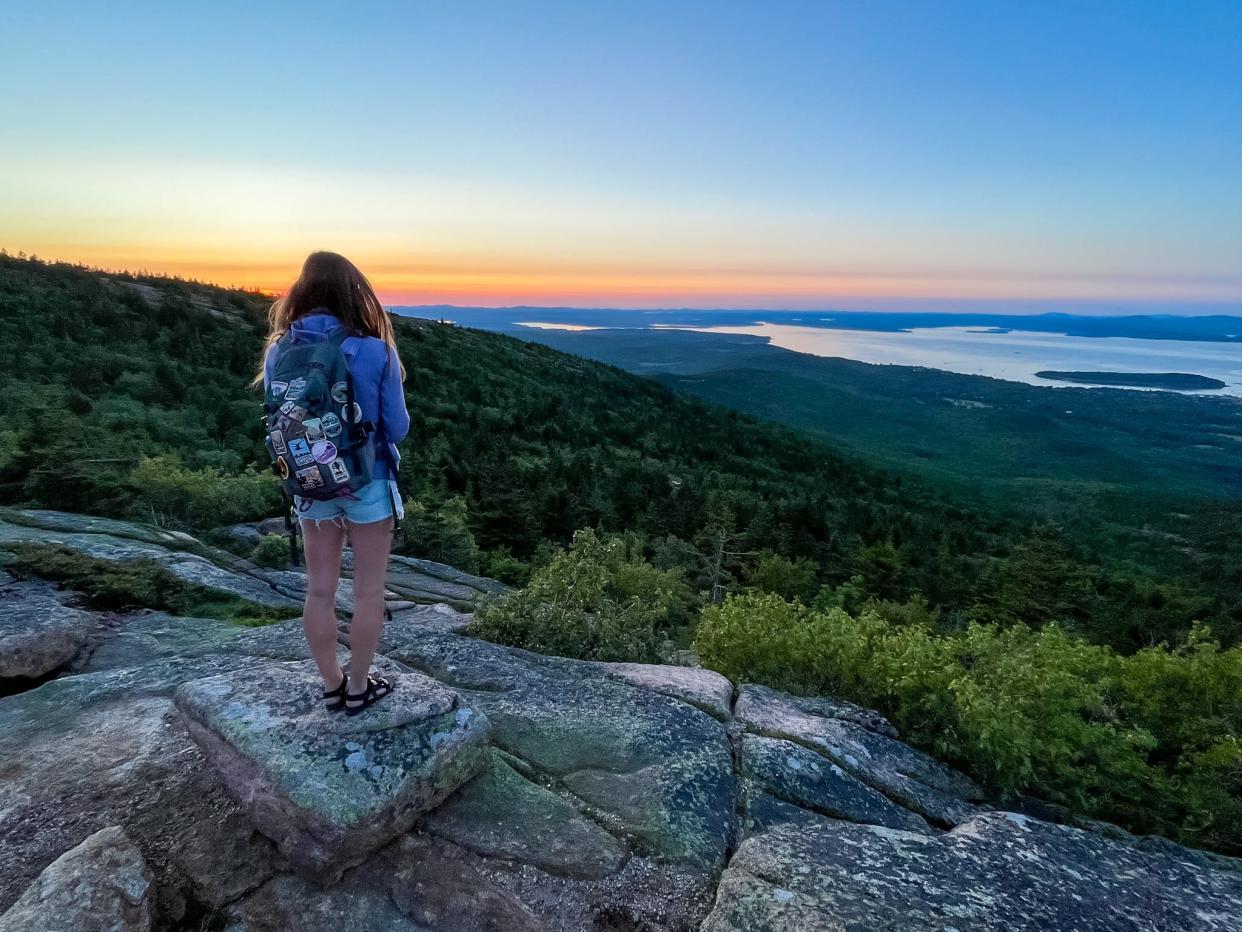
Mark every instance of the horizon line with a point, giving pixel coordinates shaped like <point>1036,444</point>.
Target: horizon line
<point>1120,307</point>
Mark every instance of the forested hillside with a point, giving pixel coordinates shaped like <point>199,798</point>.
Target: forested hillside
<point>128,396</point>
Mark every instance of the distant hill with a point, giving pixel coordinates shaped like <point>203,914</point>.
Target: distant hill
<point>1216,328</point>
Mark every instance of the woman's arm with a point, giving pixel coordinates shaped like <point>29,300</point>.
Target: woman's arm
<point>392,400</point>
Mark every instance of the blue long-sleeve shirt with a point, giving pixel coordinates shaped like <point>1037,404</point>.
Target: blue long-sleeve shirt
<point>377,381</point>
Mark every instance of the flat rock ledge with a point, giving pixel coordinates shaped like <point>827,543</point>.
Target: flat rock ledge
<point>327,788</point>
<point>997,871</point>
<point>102,885</point>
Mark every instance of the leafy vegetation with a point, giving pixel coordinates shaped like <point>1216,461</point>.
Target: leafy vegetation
<point>1149,740</point>
<point>272,551</point>
<point>1143,484</point>
<point>109,585</point>
<point>598,600</point>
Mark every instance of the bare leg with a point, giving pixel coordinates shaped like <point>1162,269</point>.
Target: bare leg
<point>323,545</point>
<point>371,543</point>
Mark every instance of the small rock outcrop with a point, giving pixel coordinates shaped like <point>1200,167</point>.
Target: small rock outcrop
<point>102,885</point>
<point>329,789</point>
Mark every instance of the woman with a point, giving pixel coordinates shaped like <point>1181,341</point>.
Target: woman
<point>329,295</point>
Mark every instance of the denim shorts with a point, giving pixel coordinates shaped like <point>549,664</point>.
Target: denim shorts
<point>373,502</point>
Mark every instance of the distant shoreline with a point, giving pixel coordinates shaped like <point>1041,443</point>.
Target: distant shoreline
<point>1181,381</point>
<point>1214,328</point>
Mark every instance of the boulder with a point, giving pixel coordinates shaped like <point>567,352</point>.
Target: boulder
<point>995,871</point>
<point>102,885</point>
<point>704,689</point>
<point>330,789</point>
<point>38,632</point>
<point>862,743</point>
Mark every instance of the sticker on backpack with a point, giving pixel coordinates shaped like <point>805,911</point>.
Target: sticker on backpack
<point>324,451</point>
<point>295,389</point>
<point>357,418</point>
<point>278,441</point>
<point>278,388</point>
<point>313,429</point>
<point>282,468</point>
<point>340,393</point>
<point>330,424</point>
<point>300,450</point>
<point>310,478</point>
<point>338,470</point>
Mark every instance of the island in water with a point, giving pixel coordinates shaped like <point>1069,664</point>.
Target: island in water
<point>1181,381</point>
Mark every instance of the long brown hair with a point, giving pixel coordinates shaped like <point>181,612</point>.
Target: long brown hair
<point>331,281</point>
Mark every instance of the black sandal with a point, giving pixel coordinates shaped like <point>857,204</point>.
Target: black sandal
<point>377,689</point>
<point>334,699</point>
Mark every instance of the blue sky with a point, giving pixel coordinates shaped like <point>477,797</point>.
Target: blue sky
<point>941,155</point>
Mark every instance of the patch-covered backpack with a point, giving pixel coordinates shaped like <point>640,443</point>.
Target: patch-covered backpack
<point>319,445</point>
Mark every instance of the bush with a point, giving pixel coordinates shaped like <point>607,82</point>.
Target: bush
<point>599,600</point>
<point>1150,741</point>
<point>503,565</point>
<point>790,579</point>
<point>201,498</point>
<point>272,551</point>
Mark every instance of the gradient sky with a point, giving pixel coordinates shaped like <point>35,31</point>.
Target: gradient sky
<point>968,155</point>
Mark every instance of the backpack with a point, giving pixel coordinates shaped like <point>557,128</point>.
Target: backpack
<point>319,445</point>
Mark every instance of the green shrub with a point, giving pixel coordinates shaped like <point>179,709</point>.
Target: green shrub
<point>599,600</point>
<point>1150,741</point>
<point>791,579</point>
<point>109,585</point>
<point>503,565</point>
<point>201,498</point>
<point>272,551</point>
